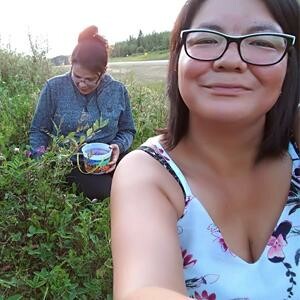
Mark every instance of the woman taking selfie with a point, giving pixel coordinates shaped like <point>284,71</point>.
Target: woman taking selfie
<point>212,208</point>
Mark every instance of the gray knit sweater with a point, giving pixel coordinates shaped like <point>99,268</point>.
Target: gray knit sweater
<point>61,103</point>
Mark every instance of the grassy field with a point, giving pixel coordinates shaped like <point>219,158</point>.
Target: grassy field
<point>144,72</point>
<point>55,244</point>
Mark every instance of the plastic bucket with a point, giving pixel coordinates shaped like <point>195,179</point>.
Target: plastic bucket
<point>96,157</point>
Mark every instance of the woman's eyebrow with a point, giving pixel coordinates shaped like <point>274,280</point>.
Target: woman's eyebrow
<point>74,73</point>
<point>88,77</point>
<point>210,26</point>
<point>251,29</point>
<point>263,27</point>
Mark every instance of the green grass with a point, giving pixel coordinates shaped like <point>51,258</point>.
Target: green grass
<point>54,244</point>
<point>155,55</point>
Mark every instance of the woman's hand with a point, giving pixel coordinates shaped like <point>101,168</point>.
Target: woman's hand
<point>114,157</point>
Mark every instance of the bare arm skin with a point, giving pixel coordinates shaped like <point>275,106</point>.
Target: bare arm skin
<point>145,246</point>
<point>152,293</point>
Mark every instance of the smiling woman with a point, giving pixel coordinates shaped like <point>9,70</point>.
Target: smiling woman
<point>73,102</point>
<point>215,204</point>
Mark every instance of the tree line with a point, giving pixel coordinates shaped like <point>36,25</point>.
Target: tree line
<point>143,43</point>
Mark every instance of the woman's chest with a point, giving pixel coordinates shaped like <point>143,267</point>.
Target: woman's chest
<point>217,263</point>
<point>246,209</point>
<point>82,113</point>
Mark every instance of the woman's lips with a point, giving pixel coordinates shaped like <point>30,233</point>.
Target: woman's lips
<point>83,90</point>
<point>227,89</point>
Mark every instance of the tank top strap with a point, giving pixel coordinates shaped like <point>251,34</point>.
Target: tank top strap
<point>295,156</point>
<point>156,150</point>
<point>294,150</point>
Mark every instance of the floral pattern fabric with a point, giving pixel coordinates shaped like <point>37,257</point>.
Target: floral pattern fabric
<point>212,271</point>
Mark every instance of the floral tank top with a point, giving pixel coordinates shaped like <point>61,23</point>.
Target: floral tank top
<point>212,271</point>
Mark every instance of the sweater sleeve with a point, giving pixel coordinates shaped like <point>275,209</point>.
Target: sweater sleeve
<point>42,122</point>
<point>126,128</point>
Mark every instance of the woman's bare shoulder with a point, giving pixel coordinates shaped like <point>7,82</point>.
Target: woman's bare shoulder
<point>139,164</point>
<point>139,173</point>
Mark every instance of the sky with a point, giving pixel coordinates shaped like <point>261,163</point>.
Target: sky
<point>56,24</point>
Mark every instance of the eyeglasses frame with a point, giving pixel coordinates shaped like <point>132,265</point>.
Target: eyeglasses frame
<point>95,83</point>
<point>238,40</point>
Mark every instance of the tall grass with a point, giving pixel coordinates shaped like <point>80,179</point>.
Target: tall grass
<point>21,78</point>
<point>54,244</point>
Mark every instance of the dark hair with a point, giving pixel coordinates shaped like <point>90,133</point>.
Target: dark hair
<point>279,120</point>
<point>91,52</point>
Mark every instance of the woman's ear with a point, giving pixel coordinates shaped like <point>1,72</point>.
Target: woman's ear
<point>297,127</point>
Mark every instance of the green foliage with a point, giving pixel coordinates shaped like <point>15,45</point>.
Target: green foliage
<point>23,72</point>
<point>16,111</point>
<point>54,243</point>
<point>148,108</point>
<point>21,78</point>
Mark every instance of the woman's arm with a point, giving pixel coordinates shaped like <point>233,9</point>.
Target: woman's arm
<point>126,129</point>
<point>150,293</point>
<point>42,123</point>
<point>145,245</point>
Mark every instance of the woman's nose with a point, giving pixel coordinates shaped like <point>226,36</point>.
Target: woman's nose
<point>81,83</point>
<point>231,59</point>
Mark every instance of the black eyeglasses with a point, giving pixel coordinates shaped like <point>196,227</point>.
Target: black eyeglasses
<point>260,49</point>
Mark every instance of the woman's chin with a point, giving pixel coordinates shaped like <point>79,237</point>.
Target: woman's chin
<point>228,116</point>
<point>84,92</point>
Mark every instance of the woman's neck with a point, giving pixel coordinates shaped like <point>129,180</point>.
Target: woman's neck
<point>227,148</point>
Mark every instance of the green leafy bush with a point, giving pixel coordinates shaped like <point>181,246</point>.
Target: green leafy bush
<point>148,107</point>
<point>54,243</point>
